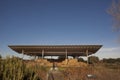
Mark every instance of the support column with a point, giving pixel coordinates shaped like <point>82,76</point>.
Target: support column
<point>22,53</point>
<point>35,57</point>
<point>87,56</point>
<point>42,53</point>
<point>66,55</point>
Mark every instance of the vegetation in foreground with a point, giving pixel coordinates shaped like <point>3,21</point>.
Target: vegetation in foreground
<point>17,69</point>
<point>14,69</point>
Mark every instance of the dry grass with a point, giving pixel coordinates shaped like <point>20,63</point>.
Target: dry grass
<point>16,69</point>
<point>99,72</point>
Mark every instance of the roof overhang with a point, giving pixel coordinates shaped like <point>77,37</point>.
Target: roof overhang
<point>56,50</point>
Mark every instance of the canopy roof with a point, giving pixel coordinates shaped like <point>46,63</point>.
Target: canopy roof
<point>56,50</point>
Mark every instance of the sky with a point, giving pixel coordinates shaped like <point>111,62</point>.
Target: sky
<point>58,22</point>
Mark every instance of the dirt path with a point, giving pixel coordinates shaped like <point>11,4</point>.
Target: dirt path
<point>55,75</point>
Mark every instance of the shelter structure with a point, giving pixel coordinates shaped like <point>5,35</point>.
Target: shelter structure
<point>56,50</point>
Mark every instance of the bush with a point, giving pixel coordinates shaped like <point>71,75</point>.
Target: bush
<point>111,60</point>
<point>93,59</point>
<point>81,60</point>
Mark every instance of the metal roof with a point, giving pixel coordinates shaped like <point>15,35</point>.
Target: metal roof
<point>56,50</point>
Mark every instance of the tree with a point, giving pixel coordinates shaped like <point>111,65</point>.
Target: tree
<point>0,56</point>
<point>81,60</point>
<point>93,59</point>
<point>118,60</point>
<point>111,60</point>
<point>61,58</point>
<point>114,11</point>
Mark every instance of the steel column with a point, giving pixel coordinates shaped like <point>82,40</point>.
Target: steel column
<point>22,53</point>
<point>87,56</point>
<point>66,53</point>
<point>42,53</point>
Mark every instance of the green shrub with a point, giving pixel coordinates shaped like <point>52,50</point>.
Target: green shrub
<point>14,69</point>
<point>81,60</point>
<point>0,57</point>
<point>93,59</point>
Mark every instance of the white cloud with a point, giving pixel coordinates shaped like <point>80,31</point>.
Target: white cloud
<point>113,52</point>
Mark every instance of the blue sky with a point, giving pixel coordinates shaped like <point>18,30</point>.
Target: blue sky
<point>57,22</point>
